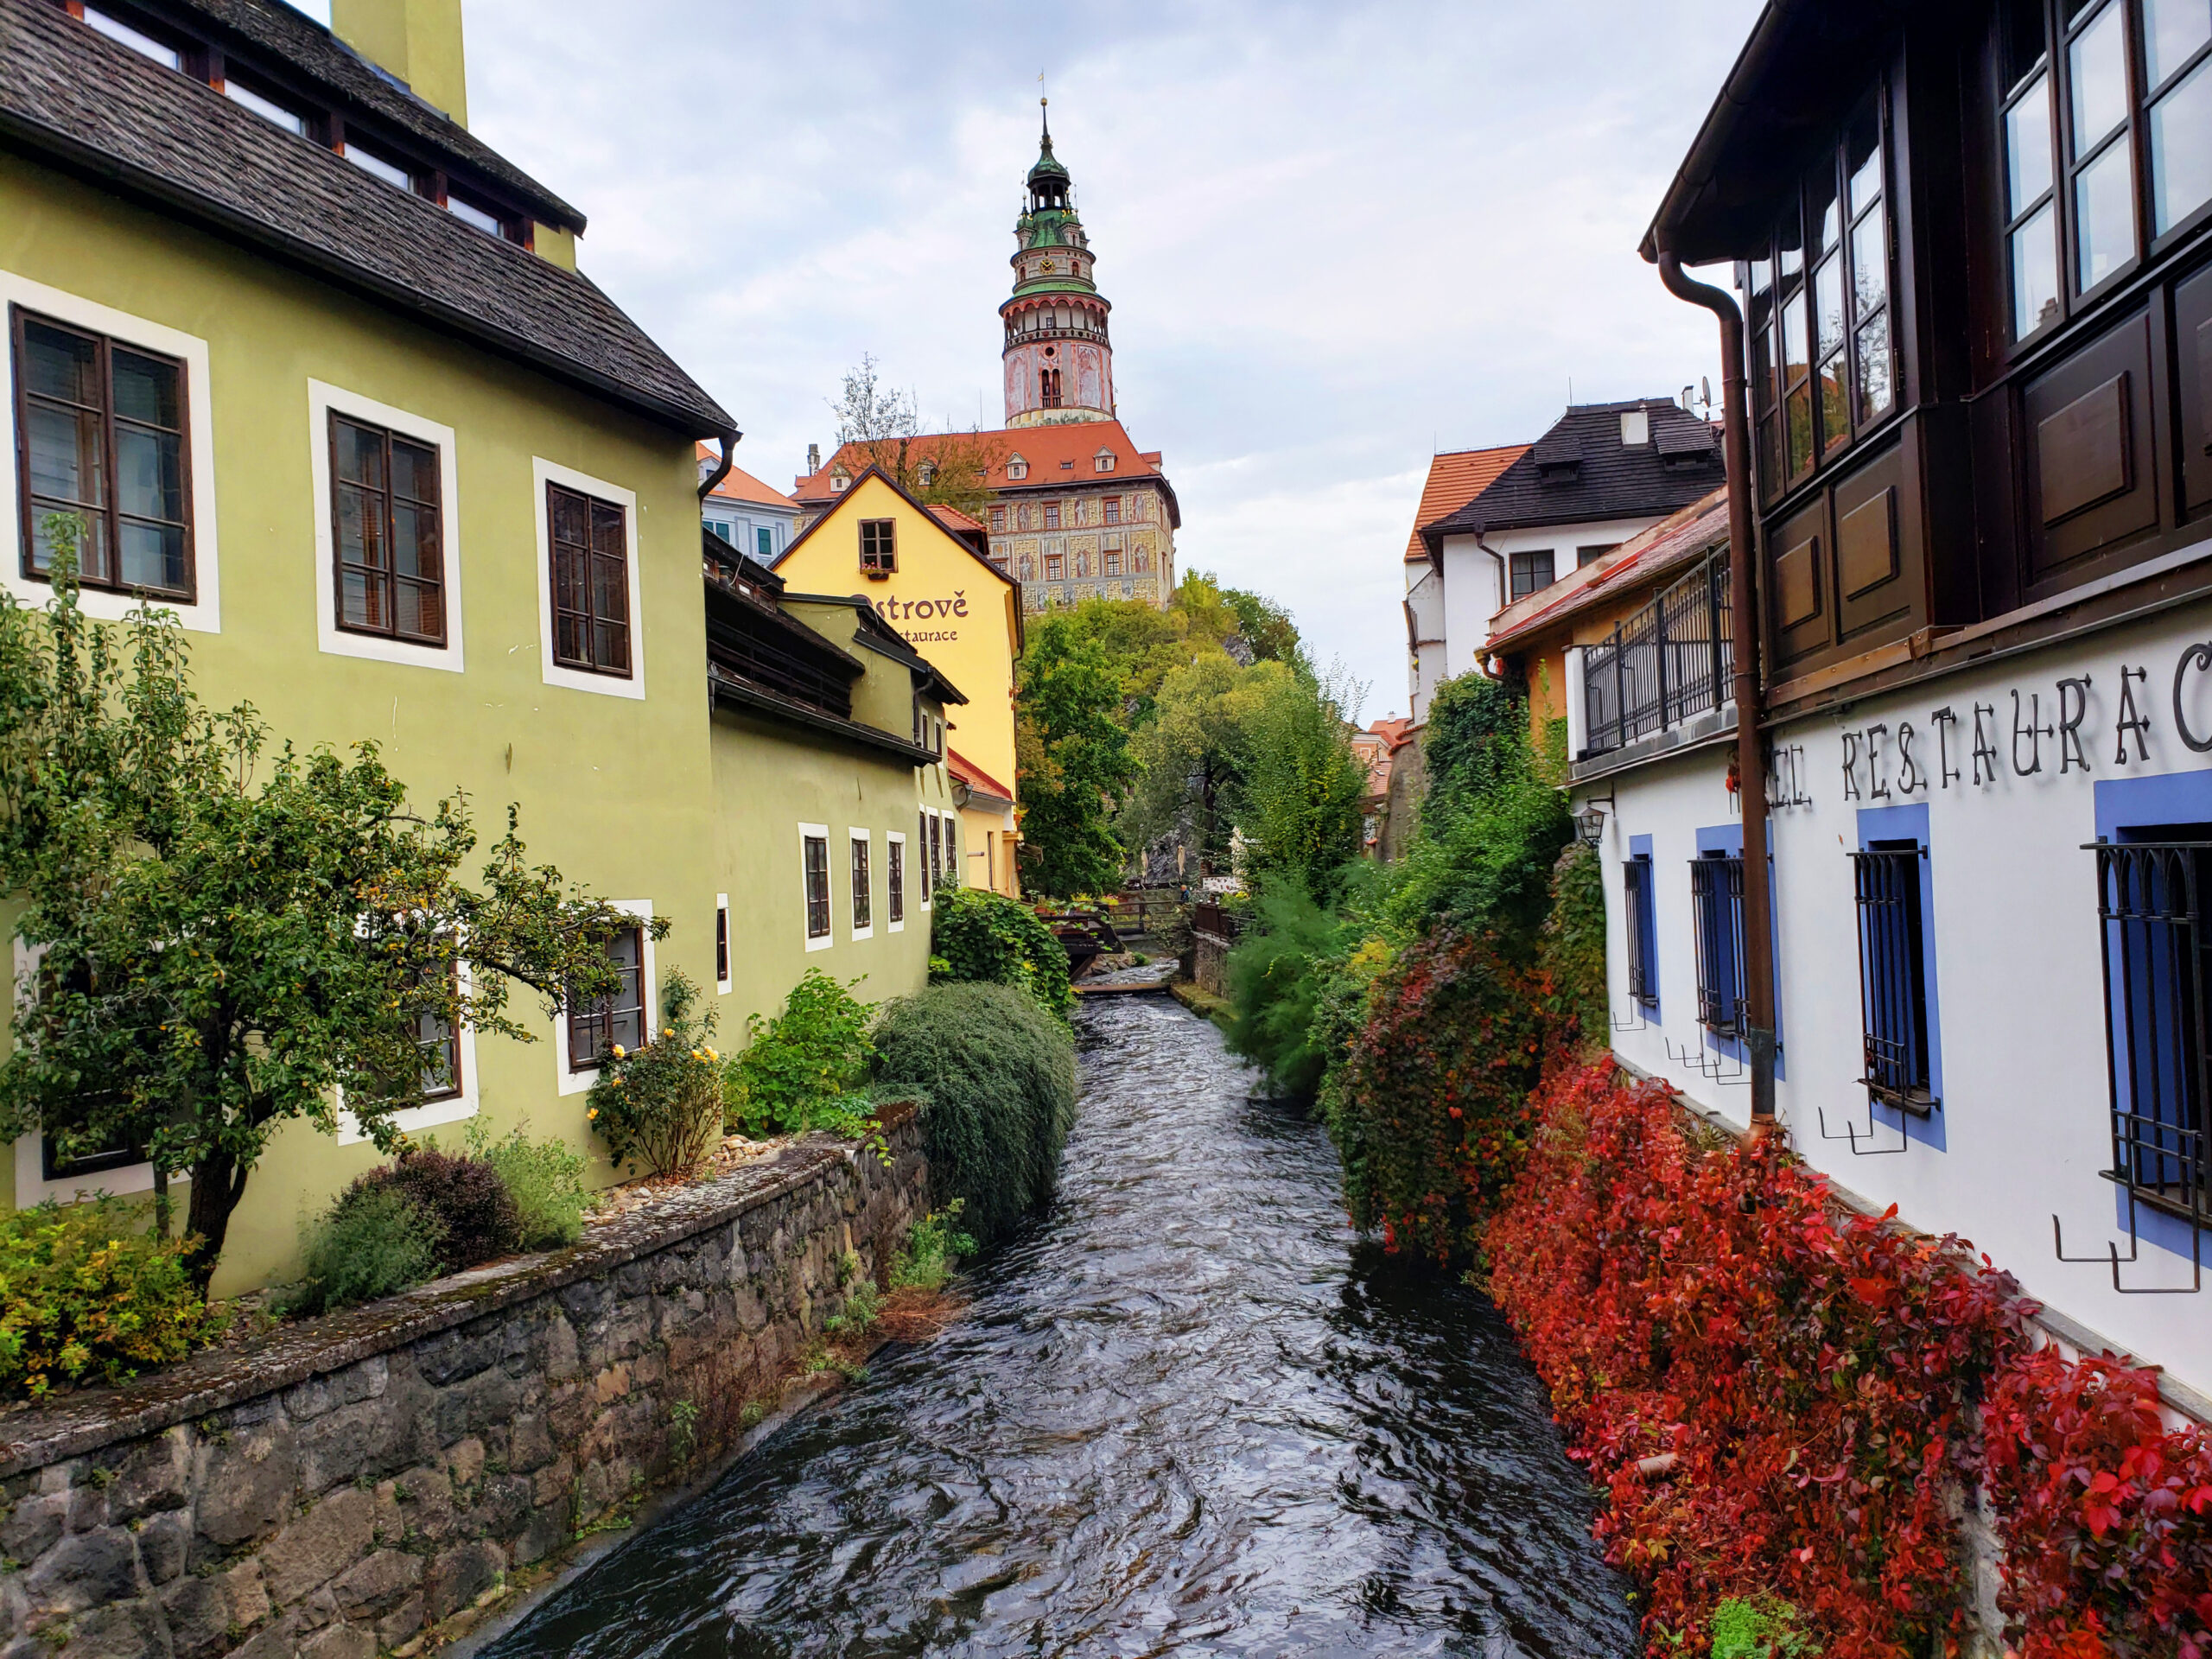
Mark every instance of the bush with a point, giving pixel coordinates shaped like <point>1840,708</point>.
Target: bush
<point>376,1241</point>
<point>474,1212</point>
<point>1275,978</point>
<point>997,1075</point>
<point>86,1294</point>
<point>1432,1115</point>
<point>544,1179</point>
<point>932,1250</point>
<point>806,1068</point>
<point>1572,948</point>
<point>661,1105</point>
<point>977,937</point>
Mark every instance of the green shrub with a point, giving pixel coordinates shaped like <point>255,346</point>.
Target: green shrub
<point>375,1241</point>
<point>1275,978</point>
<point>932,1250</point>
<point>86,1294</point>
<point>1571,949</point>
<point>660,1106</point>
<point>806,1069</point>
<point>986,938</point>
<point>997,1075</point>
<point>1757,1630</point>
<point>466,1197</point>
<point>545,1179</point>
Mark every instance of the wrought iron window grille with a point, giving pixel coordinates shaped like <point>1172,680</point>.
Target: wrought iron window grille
<point>1893,977</point>
<point>1670,660</point>
<point>1717,901</point>
<point>1642,931</point>
<point>2149,903</point>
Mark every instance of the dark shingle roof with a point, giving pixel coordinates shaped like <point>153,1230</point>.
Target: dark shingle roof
<point>1579,472</point>
<point>313,52</point>
<point>72,97</point>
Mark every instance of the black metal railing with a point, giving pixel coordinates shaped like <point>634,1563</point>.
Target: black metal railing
<point>2149,896</point>
<point>1892,976</point>
<point>1668,661</point>
<point>1717,900</point>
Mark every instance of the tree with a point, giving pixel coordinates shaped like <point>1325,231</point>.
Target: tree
<point>878,424</point>
<point>1298,806</point>
<point>1072,758</point>
<point>218,953</point>
<point>1194,753</point>
<point>1265,626</point>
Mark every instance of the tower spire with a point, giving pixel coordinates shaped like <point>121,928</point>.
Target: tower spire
<point>1059,363</point>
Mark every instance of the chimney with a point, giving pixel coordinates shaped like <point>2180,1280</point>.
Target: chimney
<point>813,459</point>
<point>417,41</point>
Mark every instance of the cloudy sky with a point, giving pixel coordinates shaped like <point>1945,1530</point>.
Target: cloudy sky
<point>1335,238</point>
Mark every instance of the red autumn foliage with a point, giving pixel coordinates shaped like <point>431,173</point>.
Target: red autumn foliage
<point>2105,1511</point>
<point>1435,1107</point>
<point>1813,1374</point>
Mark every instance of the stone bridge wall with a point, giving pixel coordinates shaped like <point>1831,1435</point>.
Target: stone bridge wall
<point>356,1481</point>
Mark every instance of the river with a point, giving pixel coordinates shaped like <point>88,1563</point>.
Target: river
<point>1186,1413</point>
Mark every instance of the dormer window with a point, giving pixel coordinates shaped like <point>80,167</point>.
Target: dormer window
<point>469,213</point>
<point>375,165</point>
<point>1016,466</point>
<point>267,108</point>
<point>1103,462</point>
<point>144,44</point>
<point>837,483</point>
<point>928,474</point>
<point>1635,428</point>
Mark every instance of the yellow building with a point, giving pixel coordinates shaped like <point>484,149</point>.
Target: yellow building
<point>952,605</point>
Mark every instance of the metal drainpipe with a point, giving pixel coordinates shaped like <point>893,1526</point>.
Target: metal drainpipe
<point>1504,598</point>
<point>1751,765</point>
<point>721,470</point>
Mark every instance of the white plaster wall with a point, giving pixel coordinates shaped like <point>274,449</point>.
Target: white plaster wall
<point>2020,1018</point>
<point>1425,602</point>
<point>1471,600</point>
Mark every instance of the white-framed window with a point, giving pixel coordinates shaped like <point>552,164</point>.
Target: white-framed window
<point>203,613</point>
<point>575,1072</point>
<point>814,894</point>
<point>387,563</point>
<point>455,1104</point>
<point>894,875</point>
<point>36,1181</point>
<point>547,476</point>
<point>1103,462</point>
<point>860,861</point>
<point>722,945</point>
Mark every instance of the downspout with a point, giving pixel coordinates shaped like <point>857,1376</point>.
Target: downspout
<point>1743,616</point>
<point>1504,593</point>
<point>729,439</point>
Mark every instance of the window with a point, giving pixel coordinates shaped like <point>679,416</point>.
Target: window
<point>1717,902</point>
<point>1591,554</point>
<point>101,440</point>
<point>145,44</point>
<point>722,528</point>
<point>439,1040</point>
<point>1530,571</point>
<point>878,545</point>
<point>816,872</point>
<point>596,1025</point>
<point>922,854</point>
<point>937,852</point>
<point>591,581</point>
<point>764,541</point>
<point>1103,462</point>
<point>1016,466</point>
<point>1051,515</point>
<point>1893,974</point>
<point>469,213</point>
<point>267,108</point>
<point>721,942</point>
<point>863,897</point>
<point>115,1150</point>
<point>391,172</point>
<point>2151,894</point>
<point>894,873</point>
<point>1113,509</point>
<point>1048,387</point>
<point>1639,910</point>
<point>1113,563</point>
<point>386,522</point>
<point>1052,566</point>
<point>838,482</point>
<point>998,518</point>
<point>2178,88</point>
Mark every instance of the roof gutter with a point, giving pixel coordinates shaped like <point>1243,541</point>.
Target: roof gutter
<point>1700,166</point>
<point>1744,600</point>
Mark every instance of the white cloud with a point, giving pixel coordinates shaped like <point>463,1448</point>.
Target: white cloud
<point>1335,238</point>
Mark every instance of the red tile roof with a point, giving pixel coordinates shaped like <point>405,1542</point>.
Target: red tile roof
<point>1056,456</point>
<point>974,776</point>
<point>1673,542</point>
<point>1454,479</point>
<point>741,486</point>
<point>952,518</point>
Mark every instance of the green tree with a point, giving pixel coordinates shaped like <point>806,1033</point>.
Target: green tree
<point>1265,626</point>
<point>1194,754</point>
<point>1073,760</point>
<point>227,939</point>
<point>1298,805</point>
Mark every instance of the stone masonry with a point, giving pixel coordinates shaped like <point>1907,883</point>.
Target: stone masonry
<point>356,1481</point>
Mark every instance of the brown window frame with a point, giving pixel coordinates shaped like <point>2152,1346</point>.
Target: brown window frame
<point>1053,566</point>
<point>863,886</point>
<point>108,510</point>
<point>592,621</point>
<point>602,1011</point>
<point>880,545</point>
<point>895,870</point>
<point>1113,509</point>
<point>722,945</point>
<point>1051,515</point>
<point>812,868</point>
<point>339,485</point>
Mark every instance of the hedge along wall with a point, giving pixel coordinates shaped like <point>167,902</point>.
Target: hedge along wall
<point>364,1477</point>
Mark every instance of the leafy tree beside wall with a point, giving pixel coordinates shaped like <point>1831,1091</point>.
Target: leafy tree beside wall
<point>1072,758</point>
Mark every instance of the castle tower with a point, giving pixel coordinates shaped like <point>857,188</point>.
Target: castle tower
<point>1059,363</point>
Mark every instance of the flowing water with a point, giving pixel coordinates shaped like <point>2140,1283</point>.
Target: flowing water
<point>1183,1412</point>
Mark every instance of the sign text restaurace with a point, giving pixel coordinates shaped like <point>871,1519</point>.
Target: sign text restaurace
<point>2036,731</point>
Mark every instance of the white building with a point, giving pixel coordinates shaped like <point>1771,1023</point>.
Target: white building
<point>1455,478</point>
<point>755,518</point>
<point>1603,474</point>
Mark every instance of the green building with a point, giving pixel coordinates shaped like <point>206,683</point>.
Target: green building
<point>318,370</point>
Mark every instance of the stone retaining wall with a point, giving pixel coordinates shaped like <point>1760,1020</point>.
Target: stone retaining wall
<point>355,1482</point>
